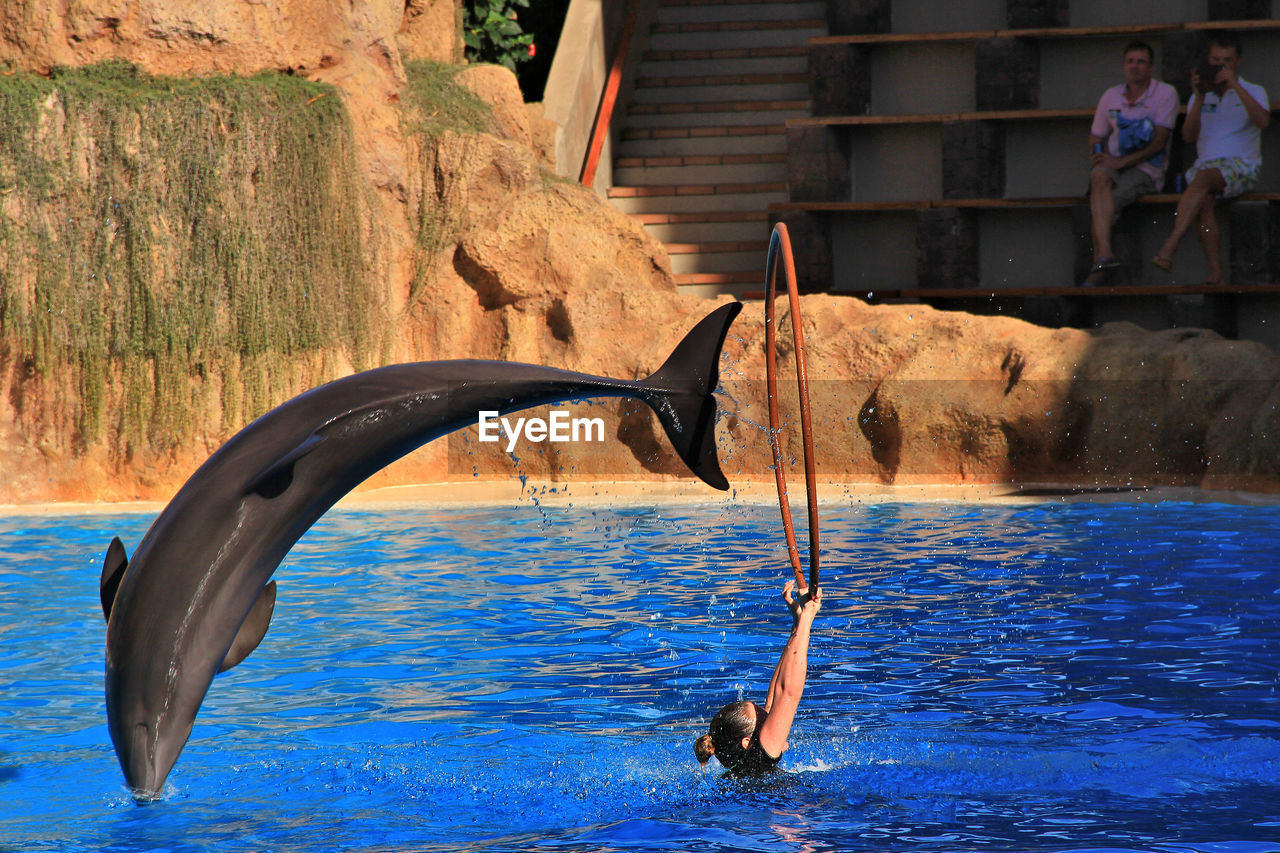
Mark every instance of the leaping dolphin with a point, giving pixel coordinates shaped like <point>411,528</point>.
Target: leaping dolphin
<point>195,599</point>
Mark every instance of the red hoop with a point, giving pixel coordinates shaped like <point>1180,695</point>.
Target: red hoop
<point>780,242</point>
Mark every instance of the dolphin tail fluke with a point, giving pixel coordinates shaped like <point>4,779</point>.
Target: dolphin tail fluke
<point>682,394</point>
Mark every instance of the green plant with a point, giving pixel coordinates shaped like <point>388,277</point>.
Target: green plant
<point>166,243</point>
<point>436,106</point>
<point>434,101</point>
<point>492,32</point>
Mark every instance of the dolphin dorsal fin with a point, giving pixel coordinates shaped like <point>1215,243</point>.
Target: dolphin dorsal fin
<point>112,573</point>
<point>253,628</point>
<point>273,480</point>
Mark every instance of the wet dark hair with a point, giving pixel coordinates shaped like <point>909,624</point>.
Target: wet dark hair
<point>729,726</point>
<point>1140,45</point>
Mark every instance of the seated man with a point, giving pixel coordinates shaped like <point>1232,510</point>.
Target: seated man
<point>1225,118</point>
<point>1127,143</point>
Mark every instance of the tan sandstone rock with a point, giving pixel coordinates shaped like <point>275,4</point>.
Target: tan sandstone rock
<point>524,266</point>
<point>499,89</point>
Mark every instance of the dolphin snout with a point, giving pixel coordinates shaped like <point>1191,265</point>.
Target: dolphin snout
<point>144,798</point>
<point>138,760</point>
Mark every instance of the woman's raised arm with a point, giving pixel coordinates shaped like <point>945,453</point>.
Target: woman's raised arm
<point>787,685</point>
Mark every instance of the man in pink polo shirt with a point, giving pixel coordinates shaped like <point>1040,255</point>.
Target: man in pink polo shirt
<point>1128,146</point>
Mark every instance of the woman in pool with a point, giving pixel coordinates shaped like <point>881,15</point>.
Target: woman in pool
<point>747,739</point>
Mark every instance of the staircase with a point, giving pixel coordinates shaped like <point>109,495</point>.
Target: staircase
<point>703,152</point>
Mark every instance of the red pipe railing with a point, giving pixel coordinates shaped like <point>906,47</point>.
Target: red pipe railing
<point>609,98</point>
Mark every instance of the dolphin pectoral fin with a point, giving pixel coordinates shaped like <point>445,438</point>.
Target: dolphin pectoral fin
<point>272,481</point>
<point>253,628</point>
<point>112,573</point>
<point>682,393</point>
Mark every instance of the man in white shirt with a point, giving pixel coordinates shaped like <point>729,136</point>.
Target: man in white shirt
<point>1225,118</point>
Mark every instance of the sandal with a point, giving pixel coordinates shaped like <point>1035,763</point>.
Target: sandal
<point>1099,271</point>
<point>1163,264</point>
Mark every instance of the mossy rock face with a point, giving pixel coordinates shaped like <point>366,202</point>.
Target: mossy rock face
<point>436,109</point>
<point>171,248</point>
<point>436,102</point>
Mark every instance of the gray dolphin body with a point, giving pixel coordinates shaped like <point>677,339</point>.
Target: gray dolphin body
<point>195,599</point>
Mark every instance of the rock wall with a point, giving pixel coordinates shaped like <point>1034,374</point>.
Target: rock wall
<point>914,395</point>
<point>482,253</point>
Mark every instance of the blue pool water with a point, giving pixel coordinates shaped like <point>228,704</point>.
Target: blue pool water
<point>1056,677</point>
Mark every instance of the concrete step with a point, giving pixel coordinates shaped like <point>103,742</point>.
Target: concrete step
<point>669,4</point>
<point>653,68</point>
<point>693,146</point>
<point>710,232</point>
<point>726,247</point>
<point>732,76</point>
<point>782,60</point>
<point>704,145</point>
<point>680,82</point>
<point>732,93</point>
<point>740,26</point>
<point>743,260</point>
<point>704,160</point>
<point>701,175</point>
<point>735,113</point>
<point>739,106</point>
<point>692,132</point>
<point>701,217</point>
<point>714,50</point>
<point>707,12</point>
<point>620,191</point>
<point>710,284</point>
<point>763,34</point>
<point>696,200</point>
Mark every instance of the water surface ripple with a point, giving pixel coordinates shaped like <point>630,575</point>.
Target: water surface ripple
<point>1056,677</point>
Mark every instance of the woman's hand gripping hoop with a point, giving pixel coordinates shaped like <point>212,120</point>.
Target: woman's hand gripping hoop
<point>780,245</point>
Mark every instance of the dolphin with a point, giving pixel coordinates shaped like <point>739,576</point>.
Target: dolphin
<point>196,598</point>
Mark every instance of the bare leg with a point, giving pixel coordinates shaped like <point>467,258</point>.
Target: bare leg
<point>1201,191</point>
<point>1103,207</point>
<point>1208,234</point>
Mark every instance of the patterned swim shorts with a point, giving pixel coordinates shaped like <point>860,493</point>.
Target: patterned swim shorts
<point>1241,175</point>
